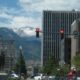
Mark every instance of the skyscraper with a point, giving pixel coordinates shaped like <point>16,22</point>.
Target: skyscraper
<point>53,21</point>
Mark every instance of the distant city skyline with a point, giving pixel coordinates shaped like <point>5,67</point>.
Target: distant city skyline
<point>20,13</point>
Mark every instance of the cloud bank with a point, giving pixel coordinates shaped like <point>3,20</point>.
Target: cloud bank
<point>29,12</point>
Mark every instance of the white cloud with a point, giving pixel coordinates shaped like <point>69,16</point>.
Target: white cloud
<point>4,15</point>
<point>20,21</point>
<point>23,32</point>
<point>30,32</point>
<point>17,21</point>
<point>39,5</point>
<point>31,6</point>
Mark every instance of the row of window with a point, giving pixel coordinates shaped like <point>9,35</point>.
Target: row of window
<point>52,22</point>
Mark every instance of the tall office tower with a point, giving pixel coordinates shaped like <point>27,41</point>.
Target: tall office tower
<point>53,21</point>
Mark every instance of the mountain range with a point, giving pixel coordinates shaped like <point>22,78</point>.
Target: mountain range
<point>26,38</point>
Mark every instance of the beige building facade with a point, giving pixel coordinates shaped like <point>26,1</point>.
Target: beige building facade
<point>75,38</point>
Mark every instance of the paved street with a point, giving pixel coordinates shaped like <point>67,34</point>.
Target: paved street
<point>29,79</point>
<point>2,77</point>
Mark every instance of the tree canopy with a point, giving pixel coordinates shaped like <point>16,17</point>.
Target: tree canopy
<point>2,59</point>
<point>50,66</point>
<point>20,67</point>
<point>76,61</point>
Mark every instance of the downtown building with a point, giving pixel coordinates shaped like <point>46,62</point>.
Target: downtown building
<point>53,21</point>
<point>7,47</point>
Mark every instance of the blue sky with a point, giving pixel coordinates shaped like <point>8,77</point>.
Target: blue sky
<point>21,13</point>
<point>9,3</point>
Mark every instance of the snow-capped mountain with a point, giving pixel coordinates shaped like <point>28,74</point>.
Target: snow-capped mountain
<point>27,41</point>
<point>25,31</point>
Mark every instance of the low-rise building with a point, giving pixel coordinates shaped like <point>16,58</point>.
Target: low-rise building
<point>7,47</point>
<point>33,67</point>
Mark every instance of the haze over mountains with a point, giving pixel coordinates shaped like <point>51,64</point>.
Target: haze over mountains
<point>26,38</point>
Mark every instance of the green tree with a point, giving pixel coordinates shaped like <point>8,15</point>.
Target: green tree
<point>20,65</point>
<point>2,59</point>
<point>63,70</point>
<point>76,61</point>
<point>51,65</point>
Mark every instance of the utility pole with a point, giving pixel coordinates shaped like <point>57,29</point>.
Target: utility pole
<point>61,32</point>
<point>62,62</point>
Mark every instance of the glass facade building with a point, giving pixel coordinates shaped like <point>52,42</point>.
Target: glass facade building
<point>53,21</point>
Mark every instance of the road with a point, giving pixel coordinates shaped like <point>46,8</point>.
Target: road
<point>29,79</point>
<point>3,77</point>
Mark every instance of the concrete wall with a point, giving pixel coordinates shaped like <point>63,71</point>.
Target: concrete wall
<point>74,39</point>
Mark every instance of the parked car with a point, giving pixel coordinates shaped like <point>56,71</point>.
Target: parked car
<point>39,77</point>
<point>78,78</point>
<point>51,77</point>
<point>14,75</point>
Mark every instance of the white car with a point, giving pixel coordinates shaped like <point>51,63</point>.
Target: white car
<point>14,75</point>
<point>37,78</point>
<point>51,77</point>
<point>78,78</point>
